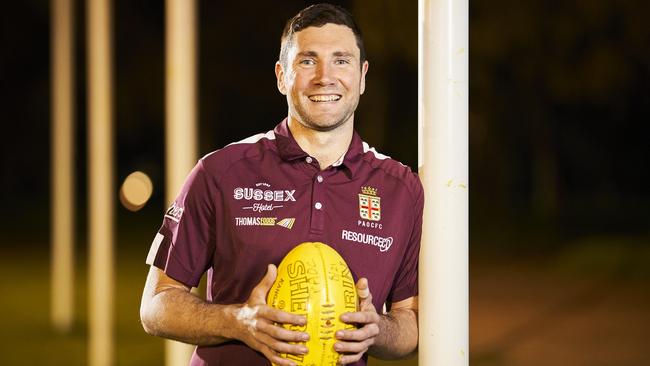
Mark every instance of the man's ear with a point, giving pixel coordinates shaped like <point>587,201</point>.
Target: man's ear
<point>364,70</point>
<point>279,74</point>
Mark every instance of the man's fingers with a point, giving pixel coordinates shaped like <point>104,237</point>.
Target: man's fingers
<point>366,304</point>
<point>277,360</point>
<point>365,297</point>
<point>282,347</point>
<point>272,348</point>
<point>355,342</point>
<point>362,288</point>
<point>274,357</point>
<point>346,359</point>
<point>283,334</point>
<point>352,351</point>
<point>280,316</point>
<point>258,295</point>
<point>360,317</point>
<point>362,334</point>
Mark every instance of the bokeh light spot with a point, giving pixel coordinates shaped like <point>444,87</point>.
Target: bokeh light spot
<point>136,191</point>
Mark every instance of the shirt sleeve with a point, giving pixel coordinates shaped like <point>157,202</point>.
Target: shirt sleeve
<point>184,245</point>
<point>406,279</point>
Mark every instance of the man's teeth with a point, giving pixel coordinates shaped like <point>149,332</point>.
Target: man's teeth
<point>324,98</point>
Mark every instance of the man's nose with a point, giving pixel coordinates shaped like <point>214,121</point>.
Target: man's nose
<point>324,74</point>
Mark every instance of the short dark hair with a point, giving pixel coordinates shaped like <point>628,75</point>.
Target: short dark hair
<point>317,16</point>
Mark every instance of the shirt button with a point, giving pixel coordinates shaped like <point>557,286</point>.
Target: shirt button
<point>319,179</point>
<point>318,205</point>
<point>308,160</point>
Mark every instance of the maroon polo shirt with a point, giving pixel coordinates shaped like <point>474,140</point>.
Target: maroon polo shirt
<point>248,204</point>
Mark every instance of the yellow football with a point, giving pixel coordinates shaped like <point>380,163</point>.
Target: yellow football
<point>314,280</point>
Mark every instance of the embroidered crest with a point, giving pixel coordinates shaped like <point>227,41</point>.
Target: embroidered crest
<point>369,204</point>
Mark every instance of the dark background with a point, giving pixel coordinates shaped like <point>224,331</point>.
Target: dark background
<point>558,92</point>
<point>558,115</point>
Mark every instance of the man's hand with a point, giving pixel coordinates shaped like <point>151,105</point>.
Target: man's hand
<point>258,328</point>
<point>355,342</point>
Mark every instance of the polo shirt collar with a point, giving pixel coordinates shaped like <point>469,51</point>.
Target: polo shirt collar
<point>289,149</point>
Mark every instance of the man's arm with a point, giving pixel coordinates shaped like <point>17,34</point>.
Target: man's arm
<point>398,331</point>
<point>388,336</point>
<point>170,310</point>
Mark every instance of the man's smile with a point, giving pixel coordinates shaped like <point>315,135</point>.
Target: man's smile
<point>321,98</point>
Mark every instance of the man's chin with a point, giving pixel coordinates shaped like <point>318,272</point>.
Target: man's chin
<point>322,122</point>
<point>325,123</point>
<point>325,126</point>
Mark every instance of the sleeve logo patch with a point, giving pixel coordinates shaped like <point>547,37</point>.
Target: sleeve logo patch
<point>174,212</point>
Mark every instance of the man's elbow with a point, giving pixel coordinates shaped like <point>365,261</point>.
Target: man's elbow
<point>405,345</point>
<point>400,352</point>
<point>412,349</point>
<point>148,317</point>
<point>147,325</point>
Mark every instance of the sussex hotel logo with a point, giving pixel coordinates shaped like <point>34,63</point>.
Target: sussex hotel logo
<point>263,199</point>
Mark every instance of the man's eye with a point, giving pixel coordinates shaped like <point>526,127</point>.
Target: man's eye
<point>307,62</point>
<point>342,62</point>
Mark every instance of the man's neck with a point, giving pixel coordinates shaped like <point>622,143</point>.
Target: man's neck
<point>326,146</point>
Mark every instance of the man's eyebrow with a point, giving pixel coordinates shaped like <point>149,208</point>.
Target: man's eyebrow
<point>343,54</point>
<point>308,53</point>
<point>336,53</point>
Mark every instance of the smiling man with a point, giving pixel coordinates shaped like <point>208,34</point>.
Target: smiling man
<point>311,178</point>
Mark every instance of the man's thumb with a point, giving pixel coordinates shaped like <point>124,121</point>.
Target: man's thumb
<point>265,284</point>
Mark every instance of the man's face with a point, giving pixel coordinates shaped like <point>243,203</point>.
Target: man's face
<point>323,77</point>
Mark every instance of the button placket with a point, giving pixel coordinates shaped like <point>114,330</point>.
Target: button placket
<point>318,204</point>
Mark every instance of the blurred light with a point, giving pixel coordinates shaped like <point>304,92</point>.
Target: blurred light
<point>136,191</point>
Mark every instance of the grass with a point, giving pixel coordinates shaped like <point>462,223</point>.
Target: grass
<point>27,337</point>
